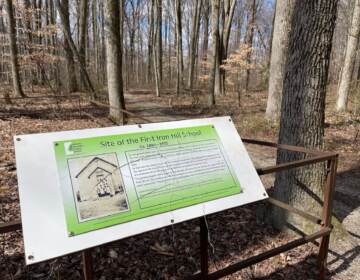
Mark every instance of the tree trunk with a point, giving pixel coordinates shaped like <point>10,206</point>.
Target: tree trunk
<point>159,38</point>
<point>13,49</point>
<point>150,38</point>
<point>169,46</point>
<point>229,9</point>
<point>350,57</point>
<point>156,48</point>
<point>193,41</point>
<point>249,40</point>
<point>113,59</point>
<point>179,53</point>
<point>122,17</point>
<point>29,37</point>
<point>70,64</point>
<point>215,5</point>
<point>95,39</point>
<point>280,42</point>
<point>206,16</point>
<point>303,107</point>
<point>83,24</point>
<point>67,35</point>
<point>239,25</point>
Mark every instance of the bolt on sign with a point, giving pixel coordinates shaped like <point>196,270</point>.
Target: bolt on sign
<point>83,188</point>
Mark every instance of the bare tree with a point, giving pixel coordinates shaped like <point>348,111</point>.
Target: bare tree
<point>113,59</point>
<point>95,38</point>
<point>70,64</point>
<point>206,17</point>
<point>215,4</point>
<point>224,35</point>
<point>279,48</point>
<point>13,49</point>
<point>83,24</point>
<point>194,41</point>
<point>150,38</point>
<point>159,38</point>
<point>303,106</point>
<point>67,34</point>
<point>350,57</point>
<point>249,36</point>
<point>156,47</point>
<point>179,53</point>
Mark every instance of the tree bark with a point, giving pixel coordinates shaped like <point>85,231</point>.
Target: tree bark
<point>350,57</point>
<point>229,9</point>
<point>303,107</point>
<point>193,41</point>
<point>113,59</point>
<point>67,35</point>
<point>179,53</point>
<point>215,5</point>
<point>159,39</point>
<point>249,40</point>
<point>70,64</point>
<point>95,39</point>
<point>150,38</point>
<point>83,24</point>
<point>280,42</point>
<point>169,46</point>
<point>206,16</point>
<point>156,48</point>
<point>18,91</point>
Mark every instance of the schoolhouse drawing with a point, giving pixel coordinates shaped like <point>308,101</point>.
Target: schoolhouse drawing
<point>98,178</point>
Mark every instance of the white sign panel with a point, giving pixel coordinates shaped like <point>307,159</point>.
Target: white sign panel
<point>79,189</point>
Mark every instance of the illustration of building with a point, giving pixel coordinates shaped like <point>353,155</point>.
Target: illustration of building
<point>98,178</point>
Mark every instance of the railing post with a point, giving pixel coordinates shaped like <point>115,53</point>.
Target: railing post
<point>327,214</point>
<point>87,264</point>
<point>204,249</point>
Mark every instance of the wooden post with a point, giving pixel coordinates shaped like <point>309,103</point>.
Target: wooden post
<point>327,213</point>
<point>87,264</point>
<point>204,249</point>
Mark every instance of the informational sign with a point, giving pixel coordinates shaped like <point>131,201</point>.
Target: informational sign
<point>79,189</point>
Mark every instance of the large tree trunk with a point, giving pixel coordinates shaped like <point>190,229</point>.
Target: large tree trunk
<point>83,24</point>
<point>279,48</point>
<point>303,107</point>
<point>113,59</point>
<point>350,56</point>
<point>70,64</point>
<point>215,5</point>
<point>193,41</point>
<point>13,49</point>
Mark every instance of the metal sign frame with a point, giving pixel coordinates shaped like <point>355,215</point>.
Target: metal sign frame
<point>324,222</point>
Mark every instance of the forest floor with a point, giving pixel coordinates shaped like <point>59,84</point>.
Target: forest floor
<point>172,252</point>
